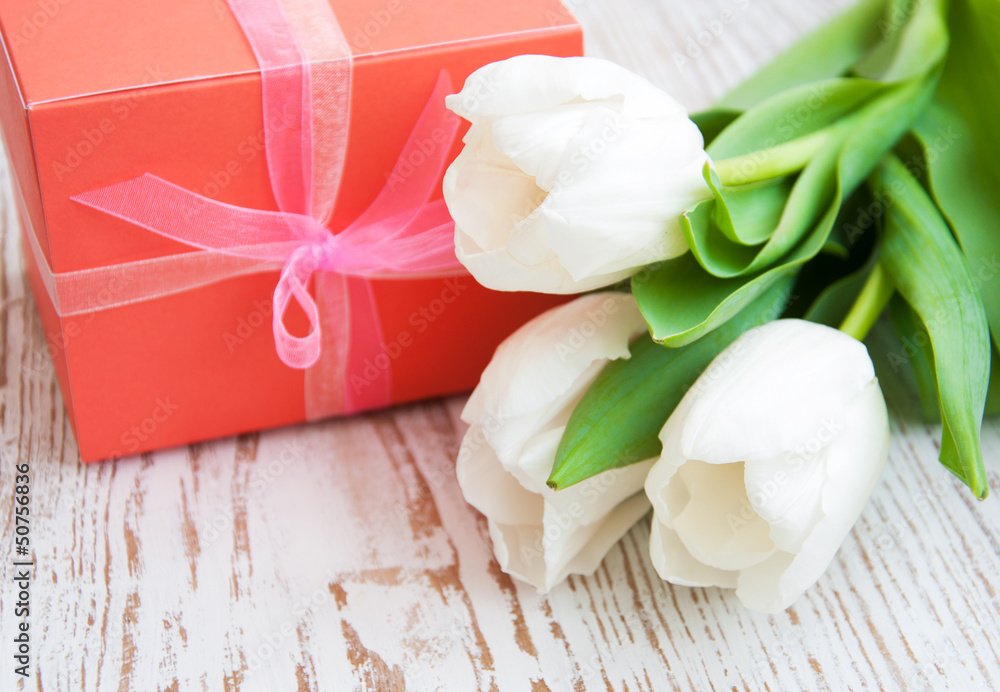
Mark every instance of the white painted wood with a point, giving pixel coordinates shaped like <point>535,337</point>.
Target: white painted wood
<point>341,555</point>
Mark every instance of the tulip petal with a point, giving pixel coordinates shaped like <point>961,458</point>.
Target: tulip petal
<point>717,524</point>
<point>518,549</point>
<point>588,502</point>
<point>674,563</point>
<point>744,414</point>
<point>535,142</point>
<point>523,551</point>
<point>576,527</point>
<point>592,542</point>
<point>626,185</point>
<point>787,493</point>
<point>491,489</point>
<point>618,158</point>
<point>798,503</point>
<point>500,271</point>
<point>544,359</point>
<point>853,463</point>
<point>486,193</point>
<point>509,438</point>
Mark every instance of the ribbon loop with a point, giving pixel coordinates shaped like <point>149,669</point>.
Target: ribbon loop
<point>294,351</point>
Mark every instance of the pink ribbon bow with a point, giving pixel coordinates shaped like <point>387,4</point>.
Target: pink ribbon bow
<point>403,232</point>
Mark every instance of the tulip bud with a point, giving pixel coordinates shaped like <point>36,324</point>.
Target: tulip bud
<point>517,415</point>
<point>573,176</point>
<point>767,463</point>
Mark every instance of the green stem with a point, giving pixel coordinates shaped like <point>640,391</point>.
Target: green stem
<point>775,162</point>
<point>870,303</point>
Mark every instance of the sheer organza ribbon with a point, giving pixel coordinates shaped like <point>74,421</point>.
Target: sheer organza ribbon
<point>306,86</point>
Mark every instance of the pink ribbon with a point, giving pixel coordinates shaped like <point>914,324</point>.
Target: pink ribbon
<point>402,234</point>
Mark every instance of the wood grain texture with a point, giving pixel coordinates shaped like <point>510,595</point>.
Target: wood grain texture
<point>342,556</point>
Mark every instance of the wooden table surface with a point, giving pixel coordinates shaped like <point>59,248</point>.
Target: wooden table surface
<point>341,555</point>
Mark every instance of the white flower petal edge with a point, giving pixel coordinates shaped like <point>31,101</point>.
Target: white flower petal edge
<point>517,415</point>
<point>573,176</point>
<point>767,463</point>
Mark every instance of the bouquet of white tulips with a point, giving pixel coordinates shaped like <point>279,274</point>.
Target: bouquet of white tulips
<point>746,251</point>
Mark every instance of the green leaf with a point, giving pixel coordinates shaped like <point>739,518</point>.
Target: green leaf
<point>619,418</point>
<point>962,141</point>
<point>793,114</point>
<point>930,272</point>
<point>854,146</point>
<point>914,35</point>
<point>917,353</point>
<point>830,51</point>
<point>745,215</point>
<point>841,128</point>
<point>682,303</point>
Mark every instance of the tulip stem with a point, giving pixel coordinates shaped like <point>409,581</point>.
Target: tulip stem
<point>778,161</point>
<point>874,296</point>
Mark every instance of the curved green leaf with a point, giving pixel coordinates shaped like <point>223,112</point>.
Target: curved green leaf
<point>682,303</point>
<point>930,272</point>
<point>854,147</point>
<point>792,115</point>
<point>917,354</point>
<point>962,141</point>
<point>619,418</point>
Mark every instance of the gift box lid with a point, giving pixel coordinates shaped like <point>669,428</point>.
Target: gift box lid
<point>78,70</point>
<point>65,48</point>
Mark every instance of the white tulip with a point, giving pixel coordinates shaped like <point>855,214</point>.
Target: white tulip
<point>573,176</point>
<point>767,463</point>
<point>517,416</point>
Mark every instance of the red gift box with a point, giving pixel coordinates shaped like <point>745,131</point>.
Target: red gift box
<point>102,92</point>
